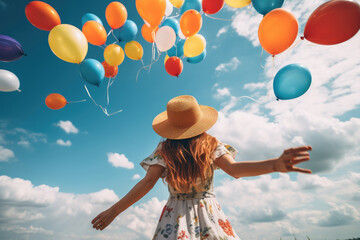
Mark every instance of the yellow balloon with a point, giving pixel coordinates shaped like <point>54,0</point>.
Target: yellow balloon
<point>114,55</point>
<point>166,58</point>
<point>237,3</point>
<point>68,43</point>
<point>194,45</point>
<point>177,3</point>
<point>134,50</point>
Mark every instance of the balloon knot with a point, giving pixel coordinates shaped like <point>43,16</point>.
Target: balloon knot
<point>25,54</point>
<point>18,90</point>
<point>277,99</point>
<point>302,37</point>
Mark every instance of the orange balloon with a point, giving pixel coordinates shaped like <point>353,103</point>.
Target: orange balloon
<point>151,11</point>
<point>116,14</point>
<point>110,71</point>
<point>148,33</point>
<point>190,22</point>
<point>277,31</point>
<point>55,101</point>
<point>42,15</point>
<point>94,32</point>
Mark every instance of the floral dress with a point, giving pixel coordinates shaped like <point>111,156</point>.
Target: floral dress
<point>194,215</point>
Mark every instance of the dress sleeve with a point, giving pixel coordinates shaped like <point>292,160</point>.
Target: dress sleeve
<point>223,149</point>
<point>154,158</point>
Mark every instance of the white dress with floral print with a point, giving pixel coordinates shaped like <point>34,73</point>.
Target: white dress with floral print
<point>194,215</point>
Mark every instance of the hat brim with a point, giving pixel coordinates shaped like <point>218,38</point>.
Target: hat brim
<point>162,126</point>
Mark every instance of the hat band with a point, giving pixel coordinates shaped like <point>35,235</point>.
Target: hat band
<point>186,118</point>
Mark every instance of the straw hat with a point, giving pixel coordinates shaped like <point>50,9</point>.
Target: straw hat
<point>184,118</point>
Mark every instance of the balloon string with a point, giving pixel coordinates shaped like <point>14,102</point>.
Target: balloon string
<point>112,32</point>
<point>148,67</point>
<point>107,92</point>
<point>250,99</point>
<point>295,44</point>
<point>218,18</point>
<point>261,65</point>
<point>18,90</point>
<point>102,108</point>
<point>84,100</point>
<point>109,32</point>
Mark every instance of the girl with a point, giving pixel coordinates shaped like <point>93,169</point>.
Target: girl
<point>186,159</point>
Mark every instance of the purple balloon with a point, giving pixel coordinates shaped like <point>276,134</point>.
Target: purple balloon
<point>10,49</point>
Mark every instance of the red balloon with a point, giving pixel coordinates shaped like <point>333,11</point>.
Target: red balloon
<point>333,22</point>
<point>174,66</point>
<point>110,71</point>
<point>212,6</point>
<point>42,15</point>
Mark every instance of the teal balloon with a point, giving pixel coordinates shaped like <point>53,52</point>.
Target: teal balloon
<point>128,31</point>
<point>178,49</point>
<point>265,6</point>
<point>291,81</point>
<point>92,71</point>
<point>90,17</point>
<point>173,23</point>
<point>198,58</point>
<point>191,4</point>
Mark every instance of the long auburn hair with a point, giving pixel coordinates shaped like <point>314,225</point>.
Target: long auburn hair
<point>187,160</point>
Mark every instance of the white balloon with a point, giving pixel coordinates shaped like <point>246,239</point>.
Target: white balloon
<point>8,81</point>
<point>169,8</point>
<point>165,38</point>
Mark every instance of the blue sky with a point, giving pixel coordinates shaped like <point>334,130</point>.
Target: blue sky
<point>58,168</point>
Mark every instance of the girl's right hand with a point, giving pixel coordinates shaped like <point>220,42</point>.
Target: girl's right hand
<point>291,157</point>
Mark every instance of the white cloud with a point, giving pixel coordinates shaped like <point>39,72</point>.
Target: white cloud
<point>67,126</point>
<point>232,65</point>
<point>5,154</point>
<point>222,31</point>
<point>254,86</point>
<point>61,142</point>
<point>221,92</point>
<point>136,176</point>
<point>119,160</point>
<point>24,143</point>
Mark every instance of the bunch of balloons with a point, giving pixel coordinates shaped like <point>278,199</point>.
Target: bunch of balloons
<point>10,50</point>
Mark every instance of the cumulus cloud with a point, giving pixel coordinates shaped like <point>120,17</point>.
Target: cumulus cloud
<point>119,160</point>
<point>232,65</point>
<point>61,142</point>
<point>221,92</point>
<point>136,176</point>
<point>67,126</point>
<point>222,31</point>
<point>5,154</point>
<point>254,86</point>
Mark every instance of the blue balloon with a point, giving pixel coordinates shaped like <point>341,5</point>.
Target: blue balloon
<point>178,49</point>
<point>198,58</point>
<point>90,17</point>
<point>265,6</point>
<point>191,4</point>
<point>128,31</point>
<point>92,71</point>
<point>10,49</point>
<point>173,23</point>
<point>291,81</point>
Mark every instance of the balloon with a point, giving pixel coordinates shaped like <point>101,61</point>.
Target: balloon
<point>177,49</point>
<point>165,38</point>
<point>151,11</point>
<point>237,3</point>
<point>333,22</point>
<point>92,71</point>
<point>8,81</point>
<point>263,7</point>
<point>134,50</point>
<point>194,45</point>
<point>166,58</point>
<point>212,6</point>
<point>190,4</point>
<point>169,8</point>
<point>190,22</point>
<point>42,15</point>
<point>198,58</point>
<point>128,31</point>
<point>291,81</point>
<point>177,3</point>
<point>277,31</point>
<point>94,32</point>
<point>116,14</point>
<point>114,55</point>
<point>110,71</point>
<point>10,49</point>
<point>174,66</point>
<point>68,43</point>
<point>149,32</point>
<point>90,17</point>
<point>173,23</point>
<point>55,101</point>
<point>181,35</point>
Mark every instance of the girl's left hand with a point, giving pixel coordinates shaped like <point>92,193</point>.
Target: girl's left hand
<point>102,220</point>
<point>291,157</point>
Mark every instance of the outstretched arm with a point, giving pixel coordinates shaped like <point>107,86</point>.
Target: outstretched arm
<point>284,163</point>
<point>102,220</point>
